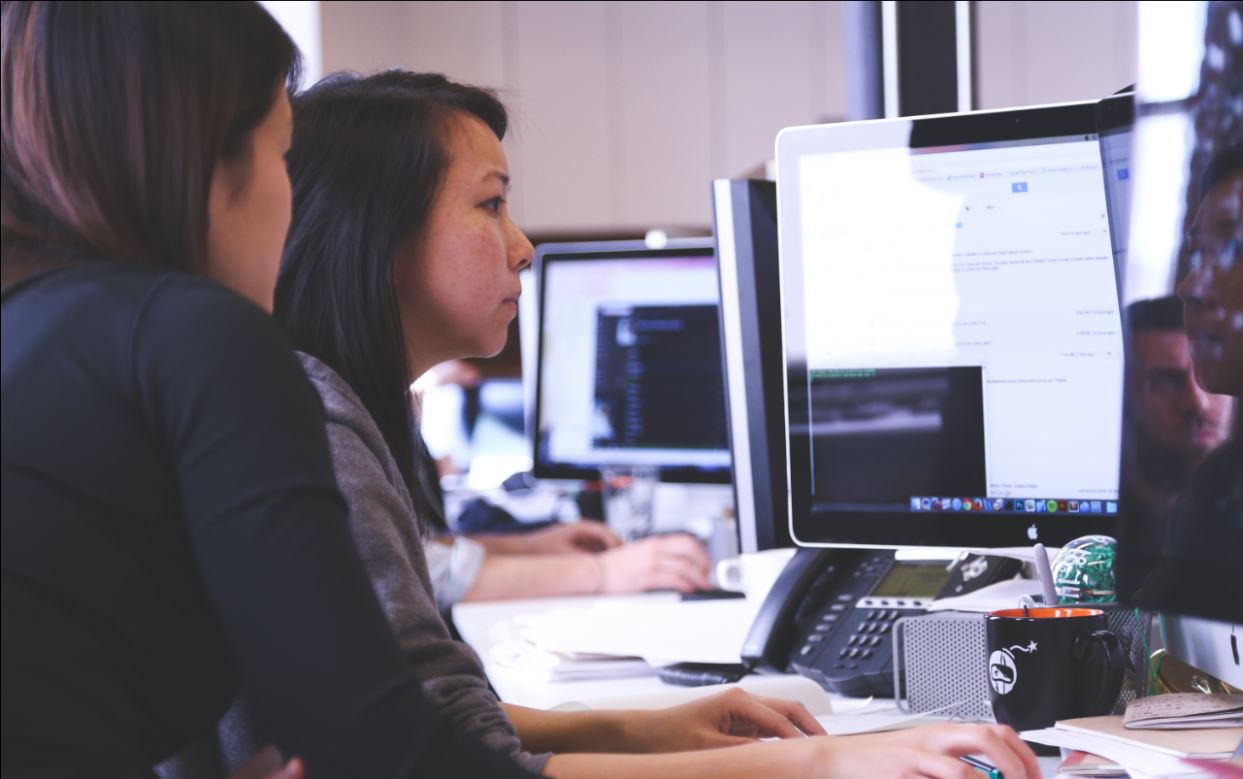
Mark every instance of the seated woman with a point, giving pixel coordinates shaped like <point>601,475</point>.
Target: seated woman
<point>401,255</point>
<point>172,528</point>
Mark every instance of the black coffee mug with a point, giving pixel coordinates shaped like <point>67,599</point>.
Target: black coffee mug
<point>1050,664</point>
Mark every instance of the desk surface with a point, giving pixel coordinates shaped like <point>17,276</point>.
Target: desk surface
<point>482,625</point>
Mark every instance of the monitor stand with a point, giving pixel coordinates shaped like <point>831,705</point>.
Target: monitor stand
<point>1213,647</point>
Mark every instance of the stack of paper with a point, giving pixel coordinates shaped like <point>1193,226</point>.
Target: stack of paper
<point>1201,743</point>
<point>620,637</point>
<point>1081,763</point>
<point>659,632</point>
<point>1184,710</point>
<point>550,666</point>
<point>1141,752</point>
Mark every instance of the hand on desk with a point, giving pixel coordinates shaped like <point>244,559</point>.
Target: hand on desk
<point>923,752</point>
<point>726,719</point>
<point>678,562</point>
<point>933,751</point>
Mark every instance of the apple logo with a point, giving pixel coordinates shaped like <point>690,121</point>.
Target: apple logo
<point>1032,533</point>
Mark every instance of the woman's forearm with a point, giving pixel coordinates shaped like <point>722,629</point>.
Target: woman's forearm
<point>573,731</point>
<point>505,577</point>
<point>773,758</point>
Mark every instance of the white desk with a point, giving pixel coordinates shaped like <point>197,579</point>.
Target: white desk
<point>482,624</point>
<point>479,624</point>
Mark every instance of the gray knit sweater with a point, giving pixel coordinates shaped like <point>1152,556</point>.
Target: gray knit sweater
<point>390,540</point>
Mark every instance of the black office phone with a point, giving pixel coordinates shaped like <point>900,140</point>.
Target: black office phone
<point>830,614</point>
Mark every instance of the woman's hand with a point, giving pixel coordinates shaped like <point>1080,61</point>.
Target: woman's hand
<point>931,751</point>
<point>266,764</point>
<point>726,719</point>
<point>677,562</point>
<point>920,752</point>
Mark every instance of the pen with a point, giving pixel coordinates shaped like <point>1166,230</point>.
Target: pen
<point>988,770</point>
<point>1045,576</point>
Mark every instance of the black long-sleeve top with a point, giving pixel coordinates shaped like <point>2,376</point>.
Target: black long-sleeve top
<point>171,531</point>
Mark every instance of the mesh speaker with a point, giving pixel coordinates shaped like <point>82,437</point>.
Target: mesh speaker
<point>941,661</point>
<point>940,665</point>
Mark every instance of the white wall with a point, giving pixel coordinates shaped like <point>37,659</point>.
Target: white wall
<point>1051,52</point>
<point>624,111</point>
<point>300,19</point>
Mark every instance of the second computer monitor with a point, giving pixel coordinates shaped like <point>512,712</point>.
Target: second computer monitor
<point>952,332</point>
<point>629,361</point>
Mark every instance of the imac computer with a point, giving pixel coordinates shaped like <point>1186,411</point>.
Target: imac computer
<point>745,227</point>
<point>954,349</point>
<point>628,368</point>
<point>1180,532</point>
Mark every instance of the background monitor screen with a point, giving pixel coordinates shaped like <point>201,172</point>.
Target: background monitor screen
<point>954,349</point>
<point>629,367</point>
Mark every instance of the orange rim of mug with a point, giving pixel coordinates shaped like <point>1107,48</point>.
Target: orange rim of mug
<point>1046,612</point>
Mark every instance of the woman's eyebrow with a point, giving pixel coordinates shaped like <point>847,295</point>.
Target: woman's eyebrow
<point>504,177</point>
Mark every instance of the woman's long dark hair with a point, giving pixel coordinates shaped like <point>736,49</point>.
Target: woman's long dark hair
<point>114,117</point>
<point>369,156</point>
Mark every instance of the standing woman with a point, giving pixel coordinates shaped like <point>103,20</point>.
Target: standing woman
<point>171,525</point>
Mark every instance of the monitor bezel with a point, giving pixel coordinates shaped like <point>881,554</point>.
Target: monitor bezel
<point>543,466</point>
<point>751,349</point>
<point>891,529</point>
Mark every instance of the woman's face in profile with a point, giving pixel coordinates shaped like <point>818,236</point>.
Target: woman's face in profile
<point>1212,292</point>
<point>249,209</point>
<point>458,286</point>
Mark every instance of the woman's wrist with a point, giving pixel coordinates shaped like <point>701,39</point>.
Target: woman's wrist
<point>624,731</point>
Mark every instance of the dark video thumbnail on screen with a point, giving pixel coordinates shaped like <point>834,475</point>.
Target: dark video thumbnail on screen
<point>879,436</point>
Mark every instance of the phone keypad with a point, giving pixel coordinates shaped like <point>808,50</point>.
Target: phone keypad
<point>878,623</point>
<point>860,645</point>
<point>844,633</point>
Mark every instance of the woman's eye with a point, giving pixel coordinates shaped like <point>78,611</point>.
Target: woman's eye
<point>495,204</point>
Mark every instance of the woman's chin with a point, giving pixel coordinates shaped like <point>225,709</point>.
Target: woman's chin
<point>490,349</point>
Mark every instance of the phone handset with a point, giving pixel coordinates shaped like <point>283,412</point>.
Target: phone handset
<point>769,641</point>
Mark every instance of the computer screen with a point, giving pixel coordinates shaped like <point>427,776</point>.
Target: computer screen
<point>745,228</point>
<point>954,351</point>
<point>1180,534</point>
<point>629,361</point>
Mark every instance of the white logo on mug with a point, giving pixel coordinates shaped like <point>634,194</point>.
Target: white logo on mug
<point>1002,672</point>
